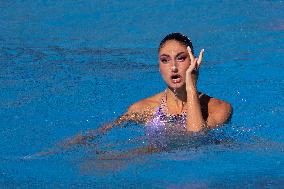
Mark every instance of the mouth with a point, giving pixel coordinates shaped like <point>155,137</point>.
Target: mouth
<point>176,78</point>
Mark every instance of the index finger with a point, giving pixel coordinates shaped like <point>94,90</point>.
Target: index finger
<point>200,57</point>
<point>190,54</point>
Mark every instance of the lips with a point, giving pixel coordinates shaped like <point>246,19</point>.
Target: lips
<point>176,78</point>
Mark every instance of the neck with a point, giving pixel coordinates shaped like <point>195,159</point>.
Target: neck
<point>177,94</point>
<point>176,100</point>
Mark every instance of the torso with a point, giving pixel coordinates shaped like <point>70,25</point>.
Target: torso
<point>156,106</point>
<point>214,111</point>
<point>162,117</point>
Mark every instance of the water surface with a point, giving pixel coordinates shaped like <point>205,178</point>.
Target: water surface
<point>68,67</point>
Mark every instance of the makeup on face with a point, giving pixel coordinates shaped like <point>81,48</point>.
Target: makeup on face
<point>180,57</point>
<point>174,61</point>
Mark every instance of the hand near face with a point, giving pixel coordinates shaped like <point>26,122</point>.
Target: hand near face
<point>194,66</point>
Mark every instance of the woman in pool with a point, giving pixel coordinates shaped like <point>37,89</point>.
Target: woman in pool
<point>179,108</point>
<point>180,105</point>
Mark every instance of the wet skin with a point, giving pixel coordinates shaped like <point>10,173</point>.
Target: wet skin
<point>178,68</point>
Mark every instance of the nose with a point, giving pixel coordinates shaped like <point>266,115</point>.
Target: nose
<point>174,67</point>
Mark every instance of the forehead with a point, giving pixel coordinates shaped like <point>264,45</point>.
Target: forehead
<point>172,46</point>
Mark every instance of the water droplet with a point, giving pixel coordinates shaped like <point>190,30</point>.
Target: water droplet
<point>175,92</point>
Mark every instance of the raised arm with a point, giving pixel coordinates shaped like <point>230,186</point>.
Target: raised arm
<point>195,121</point>
<point>218,111</point>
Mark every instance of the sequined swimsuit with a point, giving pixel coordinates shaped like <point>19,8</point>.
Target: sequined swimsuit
<point>162,125</point>
<point>161,118</point>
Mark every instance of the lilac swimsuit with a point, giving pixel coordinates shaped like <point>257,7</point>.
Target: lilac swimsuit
<point>162,124</point>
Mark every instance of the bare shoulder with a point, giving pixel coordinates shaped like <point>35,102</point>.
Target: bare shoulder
<point>141,111</point>
<point>147,104</point>
<point>217,111</point>
<point>218,105</point>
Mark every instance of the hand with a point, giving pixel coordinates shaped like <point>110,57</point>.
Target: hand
<point>194,65</point>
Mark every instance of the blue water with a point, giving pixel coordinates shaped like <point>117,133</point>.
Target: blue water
<point>68,67</point>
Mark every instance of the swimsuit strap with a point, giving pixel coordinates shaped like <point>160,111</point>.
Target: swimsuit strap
<point>162,117</point>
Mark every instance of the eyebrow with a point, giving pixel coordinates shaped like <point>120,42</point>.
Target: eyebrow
<point>169,55</point>
<point>179,54</point>
<point>164,55</point>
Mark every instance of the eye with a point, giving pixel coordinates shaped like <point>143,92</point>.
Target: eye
<point>164,60</point>
<point>181,58</point>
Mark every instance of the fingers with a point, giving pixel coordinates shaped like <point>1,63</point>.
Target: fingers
<point>192,66</point>
<point>194,62</point>
<point>190,55</point>
<point>200,58</point>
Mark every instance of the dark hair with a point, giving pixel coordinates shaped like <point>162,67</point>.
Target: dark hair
<point>178,37</point>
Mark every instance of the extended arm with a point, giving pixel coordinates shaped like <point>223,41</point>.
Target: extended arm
<point>92,134</point>
<point>135,113</point>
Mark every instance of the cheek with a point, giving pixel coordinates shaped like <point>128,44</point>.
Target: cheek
<point>184,67</point>
<point>164,70</point>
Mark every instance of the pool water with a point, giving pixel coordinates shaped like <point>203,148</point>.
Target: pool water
<point>69,67</point>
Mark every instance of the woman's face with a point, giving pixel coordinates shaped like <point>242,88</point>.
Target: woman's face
<point>174,60</point>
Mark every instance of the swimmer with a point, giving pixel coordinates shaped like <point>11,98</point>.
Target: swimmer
<point>180,108</point>
<point>179,69</point>
<point>180,104</point>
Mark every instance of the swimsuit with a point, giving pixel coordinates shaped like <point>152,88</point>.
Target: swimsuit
<point>162,125</point>
<point>162,119</point>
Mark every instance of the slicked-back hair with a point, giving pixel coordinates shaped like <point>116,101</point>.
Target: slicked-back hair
<point>178,37</point>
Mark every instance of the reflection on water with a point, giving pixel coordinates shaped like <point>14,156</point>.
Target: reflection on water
<point>129,146</point>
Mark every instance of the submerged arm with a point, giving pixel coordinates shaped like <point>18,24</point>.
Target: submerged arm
<point>131,115</point>
<point>131,153</point>
<point>92,134</point>
<point>84,139</point>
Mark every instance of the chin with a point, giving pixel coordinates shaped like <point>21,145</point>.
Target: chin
<point>177,85</point>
